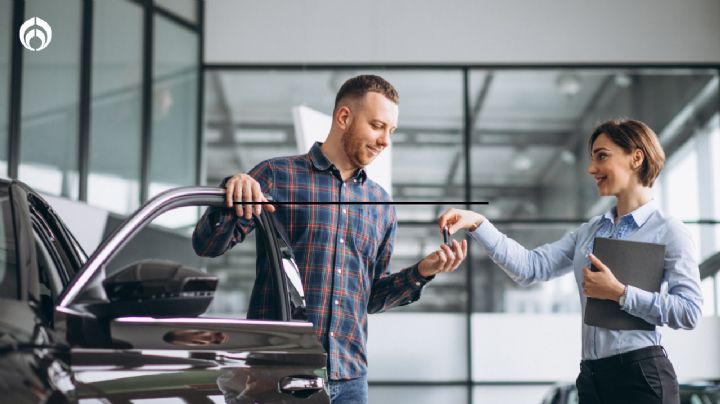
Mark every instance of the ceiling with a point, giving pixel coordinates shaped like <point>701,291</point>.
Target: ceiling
<point>529,127</point>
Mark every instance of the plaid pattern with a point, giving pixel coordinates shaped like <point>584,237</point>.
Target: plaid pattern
<point>342,251</point>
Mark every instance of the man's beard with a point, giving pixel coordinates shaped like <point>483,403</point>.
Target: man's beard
<point>353,147</point>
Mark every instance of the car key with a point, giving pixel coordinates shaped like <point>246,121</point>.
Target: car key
<point>446,237</point>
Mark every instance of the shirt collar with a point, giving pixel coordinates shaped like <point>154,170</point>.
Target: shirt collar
<point>322,163</point>
<point>639,215</point>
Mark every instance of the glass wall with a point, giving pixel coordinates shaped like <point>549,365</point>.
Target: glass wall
<point>86,139</point>
<point>250,118</point>
<point>528,159</point>
<point>116,106</point>
<point>253,115</point>
<point>714,136</point>
<point>50,102</point>
<point>173,160</point>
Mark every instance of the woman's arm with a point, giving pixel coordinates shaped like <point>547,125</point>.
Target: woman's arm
<point>522,265</point>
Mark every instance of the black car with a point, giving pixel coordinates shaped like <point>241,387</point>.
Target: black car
<point>690,393</point>
<point>73,331</point>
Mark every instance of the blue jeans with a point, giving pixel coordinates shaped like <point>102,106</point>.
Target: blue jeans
<point>353,391</point>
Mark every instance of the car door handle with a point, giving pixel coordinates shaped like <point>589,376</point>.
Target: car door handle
<point>301,386</point>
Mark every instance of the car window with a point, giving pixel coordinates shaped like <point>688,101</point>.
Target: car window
<point>50,284</point>
<point>8,256</point>
<point>65,266</point>
<point>69,251</point>
<point>168,238</point>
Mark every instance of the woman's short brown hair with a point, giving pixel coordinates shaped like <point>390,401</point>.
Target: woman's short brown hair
<point>631,134</point>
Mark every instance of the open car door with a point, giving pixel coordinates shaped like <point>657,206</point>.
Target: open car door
<point>137,333</point>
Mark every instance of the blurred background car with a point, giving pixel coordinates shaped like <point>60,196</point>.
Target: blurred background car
<point>700,392</point>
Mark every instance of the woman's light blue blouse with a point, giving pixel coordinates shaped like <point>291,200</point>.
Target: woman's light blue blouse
<point>677,305</point>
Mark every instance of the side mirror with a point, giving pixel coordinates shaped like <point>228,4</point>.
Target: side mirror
<point>158,288</point>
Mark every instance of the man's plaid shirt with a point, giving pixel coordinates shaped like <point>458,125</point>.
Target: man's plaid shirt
<point>342,251</point>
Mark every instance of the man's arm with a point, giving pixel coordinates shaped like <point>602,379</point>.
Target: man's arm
<point>404,287</point>
<point>220,228</point>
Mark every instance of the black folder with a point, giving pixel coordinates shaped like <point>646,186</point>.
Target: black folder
<point>633,263</point>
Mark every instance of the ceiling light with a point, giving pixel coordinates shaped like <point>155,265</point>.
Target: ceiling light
<point>623,80</point>
<point>521,161</point>
<point>568,83</point>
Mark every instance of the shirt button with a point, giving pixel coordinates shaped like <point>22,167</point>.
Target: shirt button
<point>417,283</point>
<point>332,334</point>
<point>337,302</point>
<point>339,271</point>
<point>354,179</point>
<point>344,211</point>
<point>342,241</point>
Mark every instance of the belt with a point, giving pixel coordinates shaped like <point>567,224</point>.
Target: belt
<point>616,361</point>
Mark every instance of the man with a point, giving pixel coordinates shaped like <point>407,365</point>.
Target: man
<point>342,250</point>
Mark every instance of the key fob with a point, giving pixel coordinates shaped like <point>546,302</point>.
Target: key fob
<point>446,237</point>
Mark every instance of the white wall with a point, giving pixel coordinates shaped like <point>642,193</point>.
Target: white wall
<point>536,347</point>
<point>417,347</point>
<point>521,348</point>
<point>462,31</point>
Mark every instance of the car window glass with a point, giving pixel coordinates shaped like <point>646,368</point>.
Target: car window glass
<point>48,276</point>
<point>8,256</point>
<point>65,265</point>
<point>50,284</point>
<point>235,268</point>
<point>68,248</point>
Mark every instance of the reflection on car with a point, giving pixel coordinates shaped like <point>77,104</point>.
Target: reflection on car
<point>702,392</point>
<point>73,331</point>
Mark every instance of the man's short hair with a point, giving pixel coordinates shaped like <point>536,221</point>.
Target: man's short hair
<point>357,87</point>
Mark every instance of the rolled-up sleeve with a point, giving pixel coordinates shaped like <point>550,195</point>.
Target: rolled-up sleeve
<point>680,306</point>
<point>219,229</point>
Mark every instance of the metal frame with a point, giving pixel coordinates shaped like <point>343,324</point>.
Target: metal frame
<point>14,114</point>
<point>146,125</point>
<point>174,198</point>
<point>85,96</point>
<point>468,124</point>
<point>200,145</point>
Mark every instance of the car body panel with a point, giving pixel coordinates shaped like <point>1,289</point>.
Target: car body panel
<point>76,351</point>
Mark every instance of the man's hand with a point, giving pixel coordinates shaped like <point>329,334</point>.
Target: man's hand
<point>601,284</point>
<point>445,259</point>
<point>457,219</point>
<point>244,188</point>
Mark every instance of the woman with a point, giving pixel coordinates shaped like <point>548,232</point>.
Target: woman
<point>618,366</point>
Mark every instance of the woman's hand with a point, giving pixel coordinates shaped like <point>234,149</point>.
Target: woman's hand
<point>602,284</point>
<point>457,219</point>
